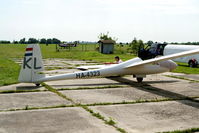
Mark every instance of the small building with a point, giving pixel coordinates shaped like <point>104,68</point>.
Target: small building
<point>106,46</point>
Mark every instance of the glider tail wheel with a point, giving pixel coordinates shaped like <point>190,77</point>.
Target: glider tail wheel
<point>139,80</point>
<point>37,84</point>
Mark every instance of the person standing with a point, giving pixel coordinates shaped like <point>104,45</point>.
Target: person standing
<point>118,60</point>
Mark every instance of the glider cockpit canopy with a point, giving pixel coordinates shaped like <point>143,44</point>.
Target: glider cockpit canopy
<point>150,51</point>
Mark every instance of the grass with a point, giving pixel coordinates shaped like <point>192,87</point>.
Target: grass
<point>20,91</point>
<point>18,50</point>
<point>184,68</point>
<point>110,121</point>
<point>191,130</point>
<point>9,71</point>
<point>77,54</point>
<point>12,50</point>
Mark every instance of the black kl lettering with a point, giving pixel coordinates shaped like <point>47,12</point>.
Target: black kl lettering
<point>35,64</point>
<point>25,63</point>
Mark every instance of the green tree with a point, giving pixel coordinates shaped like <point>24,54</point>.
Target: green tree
<point>49,41</point>
<point>4,41</point>
<point>32,40</point>
<point>103,36</point>
<point>15,42</point>
<point>22,41</point>
<point>56,41</point>
<point>135,45</point>
<point>42,41</point>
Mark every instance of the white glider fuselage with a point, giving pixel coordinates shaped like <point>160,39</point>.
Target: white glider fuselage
<point>116,70</point>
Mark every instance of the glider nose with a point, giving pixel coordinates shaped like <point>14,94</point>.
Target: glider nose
<point>169,64</point>
<point>172,65</point>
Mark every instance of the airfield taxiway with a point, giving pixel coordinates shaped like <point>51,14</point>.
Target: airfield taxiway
<point>159,104</point>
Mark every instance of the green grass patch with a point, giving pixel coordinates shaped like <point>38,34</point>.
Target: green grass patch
<point>12,50</point>
<point>18,50</point>
<point>191,130</point>
<point>121,130</point>
<point>110,121</point>
<point>77,53</point>
<point>184,68</point>
<point>20,91</point>
<point>9,71</point>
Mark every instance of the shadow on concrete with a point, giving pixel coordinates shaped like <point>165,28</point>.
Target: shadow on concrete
<point>89,85</point>
<point>112,84</point>
<point>28,87</point>
<point>145,86</point>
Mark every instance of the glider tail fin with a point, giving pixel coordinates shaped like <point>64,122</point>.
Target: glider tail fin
<point>32,65</point>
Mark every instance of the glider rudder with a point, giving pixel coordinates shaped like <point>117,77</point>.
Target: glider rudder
<point>32,65</point>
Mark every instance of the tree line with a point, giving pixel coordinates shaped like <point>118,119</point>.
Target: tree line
<point>32,41</point>
<point>186,43</point>
<point>101,36</point>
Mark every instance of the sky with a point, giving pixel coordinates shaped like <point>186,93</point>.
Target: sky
<point>70,20</point>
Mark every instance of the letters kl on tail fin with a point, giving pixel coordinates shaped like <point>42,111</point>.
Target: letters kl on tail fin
<point>32,65</point>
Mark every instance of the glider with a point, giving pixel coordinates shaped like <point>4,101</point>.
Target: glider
<point>32,67</point>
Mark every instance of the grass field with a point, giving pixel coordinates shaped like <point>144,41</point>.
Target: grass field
<point>88,53</point>
<point>9,70</point>
<point>184,68</point>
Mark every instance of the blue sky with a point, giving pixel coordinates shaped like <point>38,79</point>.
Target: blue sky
<point>69,20</point>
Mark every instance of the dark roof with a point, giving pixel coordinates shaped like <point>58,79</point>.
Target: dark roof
<point>106,41</point>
